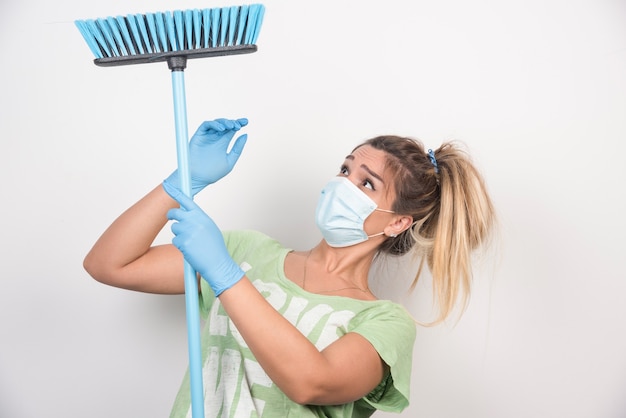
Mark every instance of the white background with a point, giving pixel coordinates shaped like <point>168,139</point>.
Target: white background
<point>535,88</point>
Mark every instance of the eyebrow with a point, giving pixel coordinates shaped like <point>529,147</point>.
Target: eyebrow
<point>366,168</point>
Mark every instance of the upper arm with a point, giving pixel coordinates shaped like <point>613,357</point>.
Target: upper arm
<point>354,369</point>
<point>379,344</point>
<point>158,270</point>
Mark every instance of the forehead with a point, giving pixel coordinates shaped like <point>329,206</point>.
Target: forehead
<point>374,159</point>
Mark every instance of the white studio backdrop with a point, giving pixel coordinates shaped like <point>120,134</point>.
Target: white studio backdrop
<point>536,89</point>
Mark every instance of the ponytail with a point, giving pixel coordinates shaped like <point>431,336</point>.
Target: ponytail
<point>452,214</point>
<point>465,219</point>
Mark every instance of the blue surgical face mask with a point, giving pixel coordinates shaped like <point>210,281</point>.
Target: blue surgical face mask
<point>341,211</point>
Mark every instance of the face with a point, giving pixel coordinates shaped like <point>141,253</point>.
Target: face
<point>366,168</point>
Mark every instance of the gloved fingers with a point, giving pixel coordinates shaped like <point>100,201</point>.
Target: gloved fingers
<point>236,150</point>
<point>180,228</point>
<point>210,126</point>
<point>183,200</point>
<point>221,138</point>
<point>235,124</point>
<point>180,243</point>
<point>175,215</point>
<point>187,229</point>
<point>221,125</point>
<point>229,124</point>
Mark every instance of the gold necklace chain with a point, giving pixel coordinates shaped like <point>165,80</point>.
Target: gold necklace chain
<point>306,261</point>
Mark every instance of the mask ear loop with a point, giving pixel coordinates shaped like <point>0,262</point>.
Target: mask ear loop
<point>409,228</point>
<point>384,233</point>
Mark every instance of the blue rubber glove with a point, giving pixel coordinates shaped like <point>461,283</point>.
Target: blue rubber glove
<point>209,159</point>
<point>201,242</point>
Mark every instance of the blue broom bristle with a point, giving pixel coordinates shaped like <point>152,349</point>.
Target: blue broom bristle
<point>161,32</point>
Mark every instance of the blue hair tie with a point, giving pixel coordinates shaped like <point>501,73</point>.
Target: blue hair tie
<point>433,160</point>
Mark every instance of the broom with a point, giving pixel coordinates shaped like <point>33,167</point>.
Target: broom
<point>175,37</point>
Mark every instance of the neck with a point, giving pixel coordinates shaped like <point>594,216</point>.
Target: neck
<point>329,269</point>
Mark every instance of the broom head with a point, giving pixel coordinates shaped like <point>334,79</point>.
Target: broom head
<point>161,36</point>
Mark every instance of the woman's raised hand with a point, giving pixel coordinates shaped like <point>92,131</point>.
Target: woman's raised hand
<point>209,159</point>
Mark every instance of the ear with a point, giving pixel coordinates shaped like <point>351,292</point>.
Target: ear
<point>398,225</point>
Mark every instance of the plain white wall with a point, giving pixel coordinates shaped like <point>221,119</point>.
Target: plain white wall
<point>535,88</point>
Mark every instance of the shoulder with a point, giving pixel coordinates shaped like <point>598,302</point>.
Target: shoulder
<point>244,243</point>
<point>248,238</point>
<point>389,328</point>
<point>385,316</point>
<point>244,234</point>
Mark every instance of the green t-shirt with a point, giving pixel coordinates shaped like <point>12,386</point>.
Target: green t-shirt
<point>236,386</point>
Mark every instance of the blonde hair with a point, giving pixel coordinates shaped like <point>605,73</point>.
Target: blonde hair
<point>452,214</point>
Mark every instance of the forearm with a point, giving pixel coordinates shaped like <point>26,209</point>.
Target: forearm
<point>343,372</point>
<point>123,256</point>
<point>276,344</point>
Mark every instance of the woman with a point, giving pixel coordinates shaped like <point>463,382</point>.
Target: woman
<point>299,333</point>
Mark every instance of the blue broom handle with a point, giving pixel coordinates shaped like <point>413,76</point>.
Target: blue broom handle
<point>191,282</point>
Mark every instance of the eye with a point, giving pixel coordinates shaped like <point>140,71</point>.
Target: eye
<point>368,184</point>
<point>365,183</point>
